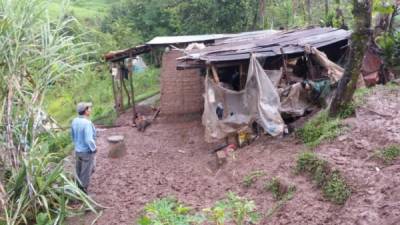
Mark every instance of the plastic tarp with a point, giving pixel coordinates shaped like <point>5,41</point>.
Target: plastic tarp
<point>257,102</point>
<point>294,100</point>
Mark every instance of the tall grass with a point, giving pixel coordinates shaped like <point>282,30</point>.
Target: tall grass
<point>35,53</point>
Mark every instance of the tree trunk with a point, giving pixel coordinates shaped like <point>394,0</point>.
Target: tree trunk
<point>261,14</point>
<point>359,42</point>
<point>309,18</point>
<point>326,8</point>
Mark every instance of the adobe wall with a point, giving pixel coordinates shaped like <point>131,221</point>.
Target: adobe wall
<point>181,90</point>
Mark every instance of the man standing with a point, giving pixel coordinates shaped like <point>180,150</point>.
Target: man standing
<point>84,136</point>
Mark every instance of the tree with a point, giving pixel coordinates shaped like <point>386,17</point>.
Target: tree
<point>359,41</point>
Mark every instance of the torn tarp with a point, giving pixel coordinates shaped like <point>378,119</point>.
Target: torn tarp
<point>257,102</point>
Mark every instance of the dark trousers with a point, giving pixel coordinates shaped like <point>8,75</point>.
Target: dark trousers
<point>85,164</point>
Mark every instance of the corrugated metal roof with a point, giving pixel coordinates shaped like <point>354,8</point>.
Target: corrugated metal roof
<point>268,44</point>
<point>165,40</point>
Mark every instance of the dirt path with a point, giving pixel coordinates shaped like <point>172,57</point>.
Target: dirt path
<point>171,159</point>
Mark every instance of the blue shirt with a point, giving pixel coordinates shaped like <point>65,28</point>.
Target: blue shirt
<point>83,135</point>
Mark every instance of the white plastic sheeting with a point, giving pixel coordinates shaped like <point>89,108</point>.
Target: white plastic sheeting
<point>258,101</point>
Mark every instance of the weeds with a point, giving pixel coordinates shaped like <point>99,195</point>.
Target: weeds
<point>389,154</point>
<point>232,208</point>
<point>336,189</point>
<point>278,189</point>
<point>288,196</point>
<point>319,128</point>
<point>252,177</point>
<point>168,211</point>
<point>333,185</point>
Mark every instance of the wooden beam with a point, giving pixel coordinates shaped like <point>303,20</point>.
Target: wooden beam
<point>215,74</point>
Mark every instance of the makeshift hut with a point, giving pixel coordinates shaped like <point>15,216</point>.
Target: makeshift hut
<point>264,78</point>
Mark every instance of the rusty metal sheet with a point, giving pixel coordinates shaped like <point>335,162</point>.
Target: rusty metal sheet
<point>268,44</point>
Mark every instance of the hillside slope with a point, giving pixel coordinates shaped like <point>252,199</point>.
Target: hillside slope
<point>172,159</point>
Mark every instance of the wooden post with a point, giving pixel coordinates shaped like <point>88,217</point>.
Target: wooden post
<point>113,76</point>
<point>130,77</point>
<point>284,62</point>
<point>242,77</point>
<point>120,91</point>
<point>126,90</point>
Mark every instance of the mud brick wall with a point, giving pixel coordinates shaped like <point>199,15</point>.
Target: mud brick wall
<point>181,90</point>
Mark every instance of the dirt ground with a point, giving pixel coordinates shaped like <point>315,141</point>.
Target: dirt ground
<point>172,159</point>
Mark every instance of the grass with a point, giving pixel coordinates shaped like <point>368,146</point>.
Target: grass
<point>388,154</point>
<point>83,10</point>
<point>333,185</point>
<point>96,88</point>
<point>278,189</point>
<point>252,177</point>
<point>319,128</point>
<point>281,192</point>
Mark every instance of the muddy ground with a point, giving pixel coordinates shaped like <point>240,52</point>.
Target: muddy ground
<point>172,159</point>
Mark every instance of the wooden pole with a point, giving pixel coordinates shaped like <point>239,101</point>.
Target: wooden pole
<point>284,62</point>
<point>242,77</point>
<point>120,91</point>
<point>114,89</point>
<point>126,90</point>
<point>130,77</point>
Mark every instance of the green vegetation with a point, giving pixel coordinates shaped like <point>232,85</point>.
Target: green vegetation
<point>388,154</point>
<point>168,211</point>
<point>282,199</point>
<point>35,53</point>
<point>84,10</point>
<point>278,189</point>
<point>48,194</point>
<point>390,45</point>
<point>319,128</point>
<point>336,189</point>
<point>252,177</point>
<point>234,209</point>
<point>333,185</point>
<point>95,88</point>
